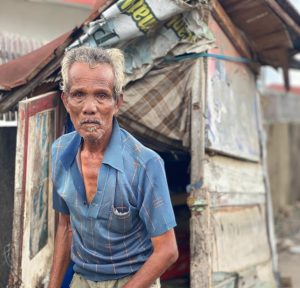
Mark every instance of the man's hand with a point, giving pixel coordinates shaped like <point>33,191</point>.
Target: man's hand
<point>62,247</point>
<point>165,253</point>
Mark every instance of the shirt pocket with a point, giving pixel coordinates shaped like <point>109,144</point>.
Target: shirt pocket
<point>122,219</point>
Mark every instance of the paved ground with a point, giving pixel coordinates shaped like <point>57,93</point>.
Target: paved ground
<point>288,235</point>
<point>289,266</point>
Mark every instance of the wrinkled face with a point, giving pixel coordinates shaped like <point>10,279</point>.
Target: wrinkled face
<point>90,101</point>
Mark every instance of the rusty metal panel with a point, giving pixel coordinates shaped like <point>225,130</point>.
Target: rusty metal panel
<point>23,69</point>
<point>232,126</point>
<point>33,234</point>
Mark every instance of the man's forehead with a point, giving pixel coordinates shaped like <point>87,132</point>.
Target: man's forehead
<point>90,66</point>
<point>102,73</point>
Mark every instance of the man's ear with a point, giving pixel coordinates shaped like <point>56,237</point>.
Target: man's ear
<point>64,99</point>
<point>119,103</point>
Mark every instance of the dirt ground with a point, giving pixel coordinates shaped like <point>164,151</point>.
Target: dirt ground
<point>289,267</point>
<point>287,227</point>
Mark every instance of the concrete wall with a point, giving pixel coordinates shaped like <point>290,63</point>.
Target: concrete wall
<point>279,164</point>
<point>7,172</point>
<point>284,164</point>
<point>40,21</point>
<point>294,135</point>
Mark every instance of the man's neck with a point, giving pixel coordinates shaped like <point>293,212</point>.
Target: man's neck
<point>97,146</point>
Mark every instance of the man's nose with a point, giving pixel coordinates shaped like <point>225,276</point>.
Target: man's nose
<point>89,106</point>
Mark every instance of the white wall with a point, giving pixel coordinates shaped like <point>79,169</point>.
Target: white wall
<point>40,21</point>
<point>272,76</point>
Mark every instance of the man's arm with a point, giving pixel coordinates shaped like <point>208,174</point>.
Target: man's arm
<point>165,253</point>
<point>62,247</point>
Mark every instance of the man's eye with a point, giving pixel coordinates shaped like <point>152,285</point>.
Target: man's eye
<point>102,96</point>
<point>77,94</point>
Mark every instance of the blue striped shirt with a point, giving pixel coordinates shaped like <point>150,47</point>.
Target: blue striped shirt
<point>112,234</point>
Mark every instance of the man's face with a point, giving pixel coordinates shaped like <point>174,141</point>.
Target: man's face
<point>90,101</point>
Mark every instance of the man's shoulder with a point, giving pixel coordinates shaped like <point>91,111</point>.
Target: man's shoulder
<point>61,142</point>
<point>136,150</point>
<point>65,138</point>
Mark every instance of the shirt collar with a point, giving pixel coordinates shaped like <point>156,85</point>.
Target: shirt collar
<point>114,150</point>
<point>112,154</point>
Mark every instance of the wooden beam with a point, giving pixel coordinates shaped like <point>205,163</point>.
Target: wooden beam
<point>198,201</point>
<point>283,58</point>
<point>230,29</point>
<point>283,15</point>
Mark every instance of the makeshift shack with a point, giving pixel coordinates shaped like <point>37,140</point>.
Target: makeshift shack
<point>190,94</point>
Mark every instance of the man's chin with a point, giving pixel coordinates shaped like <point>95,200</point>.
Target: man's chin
<point>91,136</point>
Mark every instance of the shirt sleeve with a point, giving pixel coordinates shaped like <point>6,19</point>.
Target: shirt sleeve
<point>156,209</point>
<point>58,202</point>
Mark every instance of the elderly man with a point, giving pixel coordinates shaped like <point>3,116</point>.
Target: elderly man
<point>115,216</point>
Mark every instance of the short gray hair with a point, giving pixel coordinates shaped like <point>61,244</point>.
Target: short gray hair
<point>94,56</point>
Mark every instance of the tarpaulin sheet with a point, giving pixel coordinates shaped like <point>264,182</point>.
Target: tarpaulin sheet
<point>157,107</point>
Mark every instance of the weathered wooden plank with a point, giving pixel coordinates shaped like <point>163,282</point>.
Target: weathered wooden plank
<point>283,15</point>
<point>233,182</point>
<point>16,251</point>
<point>220,15</point>
<point>231,97</point>
<point>236,199</point>
<point>229,175</point>
<point>274,39</point>
<point>240,238</point>
<point>200,228</point>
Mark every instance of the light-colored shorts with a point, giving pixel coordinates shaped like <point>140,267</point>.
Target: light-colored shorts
<point>80,282</point>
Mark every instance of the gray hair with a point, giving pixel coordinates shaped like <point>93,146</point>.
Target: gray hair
<point>94,56</point>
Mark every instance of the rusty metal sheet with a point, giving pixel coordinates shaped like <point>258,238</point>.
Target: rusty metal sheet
<point>13,46</point>
<point>23,69</point>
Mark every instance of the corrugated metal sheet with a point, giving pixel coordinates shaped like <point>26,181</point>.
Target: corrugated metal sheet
<point>21,70</point>
<point>13,46</point>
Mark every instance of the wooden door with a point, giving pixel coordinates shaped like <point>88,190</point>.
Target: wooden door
<point>34,218</point>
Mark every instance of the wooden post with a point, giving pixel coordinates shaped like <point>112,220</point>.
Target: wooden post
<point>198,201</point>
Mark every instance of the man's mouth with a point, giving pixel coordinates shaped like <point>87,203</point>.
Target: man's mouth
<point>90,124</point>
<point>87,121</point>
